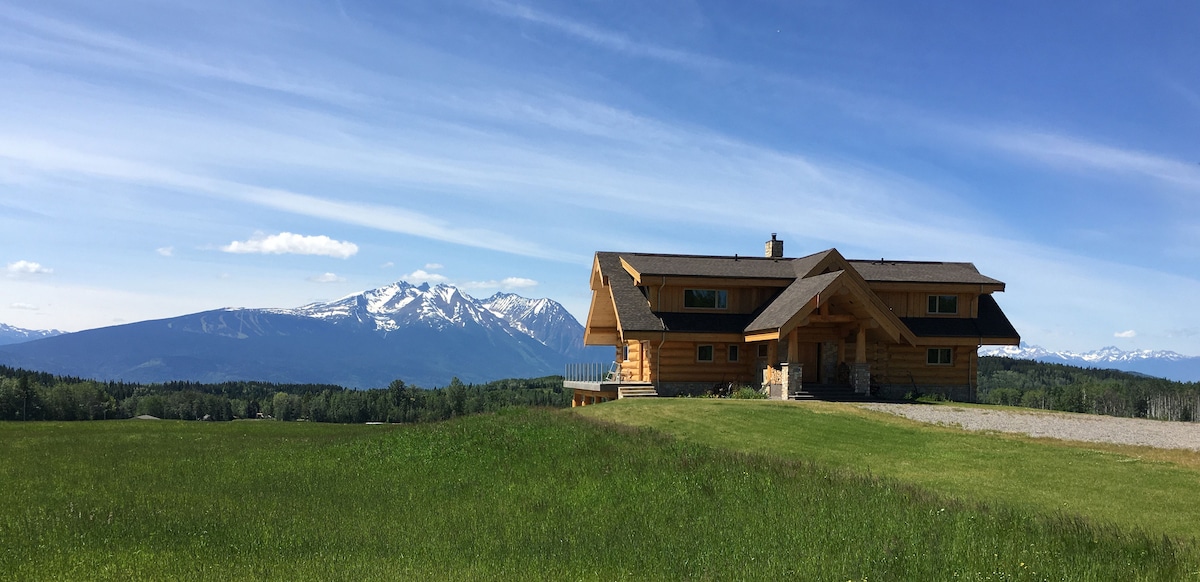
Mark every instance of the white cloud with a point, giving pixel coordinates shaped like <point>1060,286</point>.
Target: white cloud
<point>24,306</point>
<point>20,268</point>
<point>1125,334</point>
<point>434,266</point>
<point>423,276</point>
<point>387,265</point>
<point>326,278</point>
<point>165,251</point>
<point>507,283</point>
<point>293,244</point>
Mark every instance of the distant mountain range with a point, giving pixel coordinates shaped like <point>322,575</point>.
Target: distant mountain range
<point>1159,363</point>
<point>420,334</point>
<point>16,335</point>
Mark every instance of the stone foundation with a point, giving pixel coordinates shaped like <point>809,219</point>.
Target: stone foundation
<point>860,378</point>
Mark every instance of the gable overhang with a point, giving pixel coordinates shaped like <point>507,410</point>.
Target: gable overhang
<point>821,287</point>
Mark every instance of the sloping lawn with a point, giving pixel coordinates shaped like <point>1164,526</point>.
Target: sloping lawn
<point>1106,483</point>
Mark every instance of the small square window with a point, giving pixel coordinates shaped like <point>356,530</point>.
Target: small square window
<point>939,356</point>
<point>704,353</point>
<point>943,304</point>
<point>763,350</point>
<point>733,353</point>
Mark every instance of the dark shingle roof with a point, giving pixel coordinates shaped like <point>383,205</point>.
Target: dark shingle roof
<point>633,311</point>
<point>921,272</point>
<point>991,323</point>
<point>792,299</point>
<point>701,266</point>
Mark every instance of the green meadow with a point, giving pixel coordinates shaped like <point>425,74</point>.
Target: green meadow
<point>534,494</point>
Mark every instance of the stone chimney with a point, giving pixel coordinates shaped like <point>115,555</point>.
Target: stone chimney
<point>774,248</point>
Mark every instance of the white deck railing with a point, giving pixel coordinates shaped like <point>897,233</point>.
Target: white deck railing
<point>595,372</point>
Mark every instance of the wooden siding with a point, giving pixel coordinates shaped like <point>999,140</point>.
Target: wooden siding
<point>916,304</point>
<point>895,364</point>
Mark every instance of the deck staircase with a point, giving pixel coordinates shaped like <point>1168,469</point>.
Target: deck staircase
<point>647,391</point>
<point>828,392</point>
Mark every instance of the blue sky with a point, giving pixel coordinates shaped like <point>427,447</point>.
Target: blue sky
<point>161,158</point>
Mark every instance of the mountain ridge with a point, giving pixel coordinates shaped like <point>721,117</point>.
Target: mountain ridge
<point>1159,363</point>
<point>422,334</point>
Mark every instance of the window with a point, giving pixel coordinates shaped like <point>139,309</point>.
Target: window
<point>705,298</point>
<point>625,352</point>
<point>939,357</point>
<point>704,353</point>
<point>943,304</point>
<point>763,350</point>
<point>733,353</point>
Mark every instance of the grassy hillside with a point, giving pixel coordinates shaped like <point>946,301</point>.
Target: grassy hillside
<point>518,495</point>
<point>1134,487</point>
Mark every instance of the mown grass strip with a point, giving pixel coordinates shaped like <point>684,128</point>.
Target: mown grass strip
<point>519,495</point>
<point>1125,488</point>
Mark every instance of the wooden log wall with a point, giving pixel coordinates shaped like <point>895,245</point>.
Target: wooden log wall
<point>678,364</point>
<point>894,364</point>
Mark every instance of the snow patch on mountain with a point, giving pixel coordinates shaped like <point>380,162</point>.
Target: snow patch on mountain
<point>1109,354</point>
<point>1161,363</point>
<point>10,334</point>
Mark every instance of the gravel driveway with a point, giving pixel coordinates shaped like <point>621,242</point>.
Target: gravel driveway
<point>1058,425</point>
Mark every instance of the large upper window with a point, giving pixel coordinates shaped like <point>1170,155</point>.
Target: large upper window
<point>943,304</point>
<point>705,298</point>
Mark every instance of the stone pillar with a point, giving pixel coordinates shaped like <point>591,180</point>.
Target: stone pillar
<point>860,378</point>
<point>792,376</point>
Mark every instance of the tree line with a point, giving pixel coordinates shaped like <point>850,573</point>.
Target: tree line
<point>28,395</point>
<point>1073,389</point>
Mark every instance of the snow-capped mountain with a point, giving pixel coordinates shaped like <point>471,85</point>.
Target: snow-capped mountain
<point>14,335</point>
<point>542,319</point>
<point>1162,363</point>
<point>421,334</point>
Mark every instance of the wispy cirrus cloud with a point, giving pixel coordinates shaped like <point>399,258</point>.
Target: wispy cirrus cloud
<point>286,243</point>
<point>1081,154</point>
<point>604,38</point>
<point>1129,333</point>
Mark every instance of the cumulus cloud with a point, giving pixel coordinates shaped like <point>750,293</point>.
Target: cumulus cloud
<point>423,276</point>
<point>326,278</point>
<point>165,251</point>
<point>20,268</point>
<point>293,244</point>
<point>1126,334</point>
<point>24,306</point>
<point>508,283</point>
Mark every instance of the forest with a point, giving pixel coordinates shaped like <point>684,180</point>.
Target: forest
<point>38,396</point>
<point>1095,391</point>
<point>28,395</point>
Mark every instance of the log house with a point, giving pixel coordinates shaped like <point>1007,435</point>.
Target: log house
<point>682,324</point>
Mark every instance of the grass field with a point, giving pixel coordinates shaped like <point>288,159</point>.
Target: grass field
<point>1133,487</point>
<point>517,495</point>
